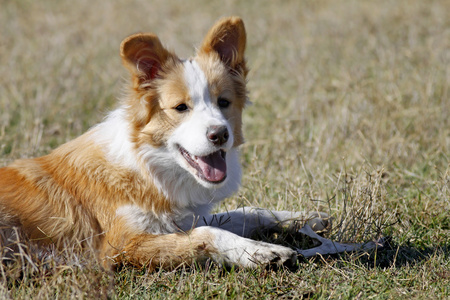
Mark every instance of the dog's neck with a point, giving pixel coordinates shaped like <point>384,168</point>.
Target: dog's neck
<point>158,166</point>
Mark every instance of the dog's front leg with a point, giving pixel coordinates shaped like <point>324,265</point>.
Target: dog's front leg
<point>245,221</point>
<point>249,220</point>
<point>199,244</point>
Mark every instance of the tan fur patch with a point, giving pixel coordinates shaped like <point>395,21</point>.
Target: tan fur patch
<point>163,118</point>
<point>158,251</point>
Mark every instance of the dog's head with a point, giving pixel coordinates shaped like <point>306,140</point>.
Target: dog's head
<point>190,108</point>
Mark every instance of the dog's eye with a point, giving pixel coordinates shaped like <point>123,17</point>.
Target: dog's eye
<point>182,107</point>
<point>222,102</point>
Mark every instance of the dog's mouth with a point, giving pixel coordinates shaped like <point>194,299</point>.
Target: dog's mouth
<point>211,168</point>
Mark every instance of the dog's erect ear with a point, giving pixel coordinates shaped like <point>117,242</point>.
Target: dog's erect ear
<point>144,56</point>
<point>228,38</point>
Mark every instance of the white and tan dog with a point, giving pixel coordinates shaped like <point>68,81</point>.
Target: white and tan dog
<point>141,184</point>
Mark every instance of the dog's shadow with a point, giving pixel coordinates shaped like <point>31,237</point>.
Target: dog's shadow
<point>397,256</point>
<point>390,255</point>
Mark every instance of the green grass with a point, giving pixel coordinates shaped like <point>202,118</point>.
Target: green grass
<point>350,116</point>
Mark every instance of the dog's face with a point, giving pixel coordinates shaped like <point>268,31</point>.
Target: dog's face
<point>190,108</point>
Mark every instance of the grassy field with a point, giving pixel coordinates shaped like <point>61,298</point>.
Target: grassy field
<point>350,115</point>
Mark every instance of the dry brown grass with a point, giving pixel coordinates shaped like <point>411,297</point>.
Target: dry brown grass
<point>350,115</point>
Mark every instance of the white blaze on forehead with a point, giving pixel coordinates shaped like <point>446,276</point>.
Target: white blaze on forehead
<point>196,82</point>
<point>191,134</point>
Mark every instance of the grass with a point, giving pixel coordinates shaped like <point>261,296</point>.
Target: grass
<point>350,115</point>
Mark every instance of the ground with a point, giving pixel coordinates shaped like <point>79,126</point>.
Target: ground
<point>350,116</point>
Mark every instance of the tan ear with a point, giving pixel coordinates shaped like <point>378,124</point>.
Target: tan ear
<point>228,38</point>
<point>144,56</point>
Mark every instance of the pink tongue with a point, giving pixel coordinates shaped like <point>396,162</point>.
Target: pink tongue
<point>213,166</point>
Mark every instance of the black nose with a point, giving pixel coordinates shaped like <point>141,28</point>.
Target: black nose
<point>218,135</point>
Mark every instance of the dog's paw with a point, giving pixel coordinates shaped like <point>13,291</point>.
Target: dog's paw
<point>252,254</point>
<point>274,256</point>
<point>233,250</point>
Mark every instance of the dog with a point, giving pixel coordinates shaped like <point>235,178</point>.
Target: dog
<point>140,185</point>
